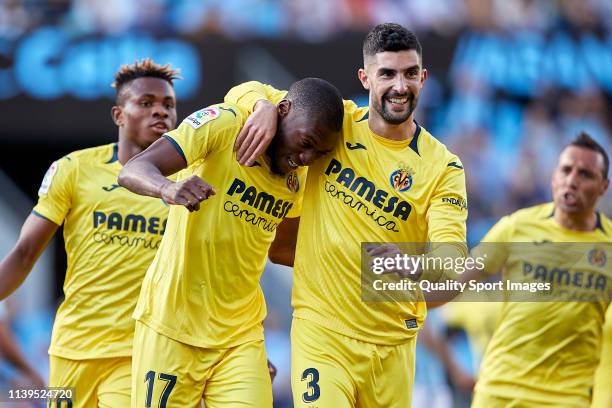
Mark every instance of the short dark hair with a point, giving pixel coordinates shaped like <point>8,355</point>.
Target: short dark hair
<point>141,69</point>
<point>390,37</point>
<point>319,99</point>
<point>585,141</point>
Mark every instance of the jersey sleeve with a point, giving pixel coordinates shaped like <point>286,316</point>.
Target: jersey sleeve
<point>247,94</point>
<point>495,246</point>
<point>447,213</point>
<point>205,131</point>
<point>56,191</point>
<point>446,218</point>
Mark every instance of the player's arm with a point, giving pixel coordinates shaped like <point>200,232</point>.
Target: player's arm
<point>446,217</point>
<point>430,339</point>
<point>146,174</point>
<point>17,264</point>
<point>487,258</point>
<point>11,352</point>
<point>282,250</point>
<point>260,101</point>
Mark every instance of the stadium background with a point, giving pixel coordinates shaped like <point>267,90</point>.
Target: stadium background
<point>510,82</point>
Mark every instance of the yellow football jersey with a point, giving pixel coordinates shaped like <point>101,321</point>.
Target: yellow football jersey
<point>203,287</point>
<point>111,237</point>
<point>602,390</point>
<point>368,189</point>
<point>546,352</point>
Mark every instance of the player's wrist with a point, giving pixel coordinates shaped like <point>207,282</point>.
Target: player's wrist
<point>262,104</point>
<point>163,189</point>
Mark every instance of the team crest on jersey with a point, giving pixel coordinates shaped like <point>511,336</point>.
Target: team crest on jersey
<point>203,116</point>
<point>48,179</point>
<point>597,257</point>
<point>293,182</point>
<point>401,179</point>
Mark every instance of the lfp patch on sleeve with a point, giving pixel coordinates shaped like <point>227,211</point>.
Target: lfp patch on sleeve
<point>48,179</point>
<point>201,117</point>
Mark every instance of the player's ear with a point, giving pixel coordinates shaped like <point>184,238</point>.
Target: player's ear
<point>117,115</point>
<point>284,107</point>
<point>363,77</point>
<point>423,76</point>
<point>604,186</point>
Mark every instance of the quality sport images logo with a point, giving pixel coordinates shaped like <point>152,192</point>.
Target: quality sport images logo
<point>401,179</point>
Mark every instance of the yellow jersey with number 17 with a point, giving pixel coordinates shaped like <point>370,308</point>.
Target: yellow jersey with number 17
<point>546,352</point>
<point>203,289</point>
<point>368,189</point>
<point>111,237</point>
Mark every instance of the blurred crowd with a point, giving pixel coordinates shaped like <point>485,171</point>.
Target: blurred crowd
<point>508,143</point>
<point>311,20</point>
<point>511,165</point>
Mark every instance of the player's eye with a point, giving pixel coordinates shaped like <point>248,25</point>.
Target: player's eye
<point>169,106</point>
<point>146,103</point>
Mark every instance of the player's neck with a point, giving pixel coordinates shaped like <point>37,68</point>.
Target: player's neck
<point>127,149</point>
<point>403,131</point>
<point>577,222</point>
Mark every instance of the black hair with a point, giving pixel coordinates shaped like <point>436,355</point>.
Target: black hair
<point>390,37</point>
<point>319,99</point>
<point>141,69</point>
<point>585,141</point>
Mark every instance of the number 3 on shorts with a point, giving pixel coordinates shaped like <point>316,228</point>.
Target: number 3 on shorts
<point>313,391</point>
<point>170,381</point>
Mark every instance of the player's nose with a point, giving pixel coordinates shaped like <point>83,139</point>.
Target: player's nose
<point>400,85</point>
<point>307,157</point>
<point>160,110</point>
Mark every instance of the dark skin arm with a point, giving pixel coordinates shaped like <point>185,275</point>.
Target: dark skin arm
<point>17,264</point>
<point>10,350</point>
<point>282,250</point>
<point>462,380</point>
<point>145,174</point>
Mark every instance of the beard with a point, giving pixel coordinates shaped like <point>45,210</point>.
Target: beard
<point>393,117</point>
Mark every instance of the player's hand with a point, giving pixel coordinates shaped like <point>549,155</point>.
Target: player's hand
<point>257,133</point>
<point>390,250</point>
<point>189,192</point>
<point>272,371</point>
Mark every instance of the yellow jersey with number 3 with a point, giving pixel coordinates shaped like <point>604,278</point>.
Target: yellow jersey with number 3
<point>368,189</point>
<point>203,287</point>
<point>111,236</point>
<point>545,351</point>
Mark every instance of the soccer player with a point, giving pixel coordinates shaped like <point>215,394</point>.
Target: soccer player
<point>199,317</point>
<point>111,236</point>
<point>544,352</point>
<point>387,180</point>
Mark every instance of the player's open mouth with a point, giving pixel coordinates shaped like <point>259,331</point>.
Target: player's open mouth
<point>292,164</point>
<point>570,199</point>
<point>398,101</point>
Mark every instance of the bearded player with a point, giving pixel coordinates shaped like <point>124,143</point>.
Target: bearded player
<point>387,180</point>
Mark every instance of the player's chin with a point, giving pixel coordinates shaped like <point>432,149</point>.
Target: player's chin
<point>151,136</point>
